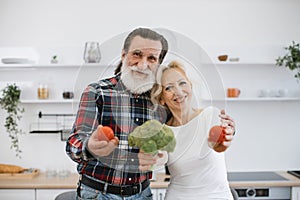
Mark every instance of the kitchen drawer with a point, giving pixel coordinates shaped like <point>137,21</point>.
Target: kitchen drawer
<point>17,194</point>
<point>295,193</point>
<point>49,194</point>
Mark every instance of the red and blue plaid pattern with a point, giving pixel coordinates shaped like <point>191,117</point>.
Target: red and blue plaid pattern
<point>110,104</point>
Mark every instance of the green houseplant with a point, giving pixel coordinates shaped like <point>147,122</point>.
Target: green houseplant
<point>291,59</point>
<point>10,103</point>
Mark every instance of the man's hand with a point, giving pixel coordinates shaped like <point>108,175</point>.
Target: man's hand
<point>147,160</point>
<point>229,126</point>
<point>101,148</point>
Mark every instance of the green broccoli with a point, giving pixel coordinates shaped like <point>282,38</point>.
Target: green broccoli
<point>152,136</point>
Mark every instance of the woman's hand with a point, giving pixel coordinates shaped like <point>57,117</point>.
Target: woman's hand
<point>147,160</point>
<point>227,122</point>
<point>229,126</point>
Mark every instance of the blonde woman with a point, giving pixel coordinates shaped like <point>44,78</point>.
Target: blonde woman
<point>197,165</point>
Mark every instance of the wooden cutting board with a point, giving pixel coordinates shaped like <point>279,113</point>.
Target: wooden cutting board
<point>26,174</point>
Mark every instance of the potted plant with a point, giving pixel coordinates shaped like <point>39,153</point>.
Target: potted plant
<point>54,59</point>
<point>10,103</point>
<point>291,59</point>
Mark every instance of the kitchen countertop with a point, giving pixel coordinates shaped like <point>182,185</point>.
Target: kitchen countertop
<point>43,182</point>
<point>70,182</point>
<point>291,181</point>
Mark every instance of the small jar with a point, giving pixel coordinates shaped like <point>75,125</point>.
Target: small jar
<point>43,91</point>
<point>68,94</point>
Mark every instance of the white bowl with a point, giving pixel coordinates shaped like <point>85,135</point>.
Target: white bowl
<point>15,60</point>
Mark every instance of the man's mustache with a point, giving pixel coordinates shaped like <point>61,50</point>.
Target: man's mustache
<point>136,69</point>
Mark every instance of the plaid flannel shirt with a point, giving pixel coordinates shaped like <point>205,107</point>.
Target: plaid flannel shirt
<point>109,103</point>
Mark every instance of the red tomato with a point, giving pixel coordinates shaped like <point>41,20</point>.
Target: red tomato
<point>217,134</point>
<point>106,133</point>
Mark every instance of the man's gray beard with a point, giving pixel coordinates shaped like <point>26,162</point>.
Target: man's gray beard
<point>136,85</point>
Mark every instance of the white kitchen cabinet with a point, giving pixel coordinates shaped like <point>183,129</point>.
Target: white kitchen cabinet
<point>17,194</point>
<point>295,193</point>
<point>160,194</point>
<point>154,193</point>
<point>49,194</point>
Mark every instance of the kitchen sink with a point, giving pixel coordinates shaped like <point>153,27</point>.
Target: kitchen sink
<point>295,173</point>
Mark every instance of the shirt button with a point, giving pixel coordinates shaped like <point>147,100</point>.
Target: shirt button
<point>136,100</point>
<point>137,119</point>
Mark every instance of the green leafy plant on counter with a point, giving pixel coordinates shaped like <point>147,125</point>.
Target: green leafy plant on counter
<point>291,59</point>
<point>10,101</point>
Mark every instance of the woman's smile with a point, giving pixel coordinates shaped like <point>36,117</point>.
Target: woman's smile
<point>180,99</point>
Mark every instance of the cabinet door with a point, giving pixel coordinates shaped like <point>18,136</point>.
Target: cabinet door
<point>154,193</point>
<point>49,194</point>
<point>295,193</point>
<point>160,194</point>
<point>17,194</point>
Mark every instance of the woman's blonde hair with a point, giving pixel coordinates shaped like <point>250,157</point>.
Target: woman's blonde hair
<point>156,92</point>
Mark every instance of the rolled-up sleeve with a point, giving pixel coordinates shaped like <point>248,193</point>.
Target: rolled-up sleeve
<point>85,123</point>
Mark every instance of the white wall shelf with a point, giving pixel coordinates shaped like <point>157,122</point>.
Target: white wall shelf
<point>56,101</point>
<point>13,66</point>
<point>255,99</point>
<point>263,99</point>
<point>48,101</point>
<point>245,63</point>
